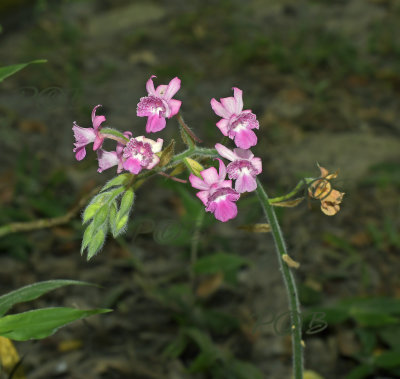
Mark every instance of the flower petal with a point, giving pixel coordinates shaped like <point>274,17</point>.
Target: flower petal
<point>225,210</point>
<point>155,123</point>
<point>245,138</point>
<point>196,182</point>
<point>132,165</point>
<point>256,162</point>
<point>106,159</point>
<point>174,106</point>
<point>219,109</point>
<point>245,183</point>
<point>229,104</point>
<point>97,120</point>
<point>154,162</point>
<point>222,125</point>
<point>83,136</point>
<point>80,153</point>
<point>98,142</point>
<point>243,154</point>
<point>210,175</point>
<point>173,87</point>
<point>203,196</point>
<point>223,151</point>
<point>238,95</point>
<point>150,86</point>
<point>160,90</point>
<point>222,170</point>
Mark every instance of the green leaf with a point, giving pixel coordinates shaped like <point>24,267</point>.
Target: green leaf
<point>193,166</point>
<point>7,71</point>
<point>101,217</point>
<point>120,225</point>
<point>219,262</point>
<point>87,237</point>
<point>33,291</point>
<point>41,323</point>
<point>96,244</point>
<point>90,211</point>
<point>388,359</point>
<point>112,218</point>
<point>116,182</point>
<point>114,133</point>
<point>360,372</point>
<point>126,203</point>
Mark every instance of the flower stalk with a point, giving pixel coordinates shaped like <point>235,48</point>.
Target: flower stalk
<point>294,305</point>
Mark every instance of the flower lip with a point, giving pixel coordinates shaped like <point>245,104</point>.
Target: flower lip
<point>152,105</point>
<point>222,194</point>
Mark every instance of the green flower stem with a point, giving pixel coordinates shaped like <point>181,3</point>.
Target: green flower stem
<point>295,190</point>
<point>294,305</point>
<point>120,140</point>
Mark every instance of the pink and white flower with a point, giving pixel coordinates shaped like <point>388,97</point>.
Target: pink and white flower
<point>84,136</point>
<point>236,123</point>
<point>216,193</point>
<point>109,159</point>
<point>244,167</point>
<point>140,153</point>
<point>159,104</point>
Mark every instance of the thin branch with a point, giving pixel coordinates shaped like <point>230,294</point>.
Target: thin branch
<point>16,227</point>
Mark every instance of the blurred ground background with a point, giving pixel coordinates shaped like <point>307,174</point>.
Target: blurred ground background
<point>324,80</point>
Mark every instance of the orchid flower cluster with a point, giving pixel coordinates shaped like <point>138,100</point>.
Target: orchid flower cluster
<point>219,190</point>
<point>134,154</point>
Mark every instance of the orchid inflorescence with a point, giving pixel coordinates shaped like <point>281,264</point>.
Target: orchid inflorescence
<point>137,155</point>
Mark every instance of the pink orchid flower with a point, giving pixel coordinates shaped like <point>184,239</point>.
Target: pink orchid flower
<point>140,153</point>
<point>244,167</point>
<point>216,192</point>
<point>84,136</point>
<point>159,104</point>
<point>236,123</point>
<point>109,159</point>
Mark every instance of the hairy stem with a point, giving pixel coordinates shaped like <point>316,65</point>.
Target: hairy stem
<point>294,305</point>
<point>15,227</point>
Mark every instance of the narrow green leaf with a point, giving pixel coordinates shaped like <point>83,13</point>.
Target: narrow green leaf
<point>116,182</point>
<point>114,133</point>
<point>87,237</point>
<point>126,202</point>
<point>33,291</point>
<point>41,323</point>
<point>96,244</point>
<point>90,211</point>
<point>112,217</point>
<point>7,71</point>
<point>121,225</point>
<point>101,216</point>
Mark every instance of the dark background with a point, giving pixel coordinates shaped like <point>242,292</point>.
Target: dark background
<point>324,80</point>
